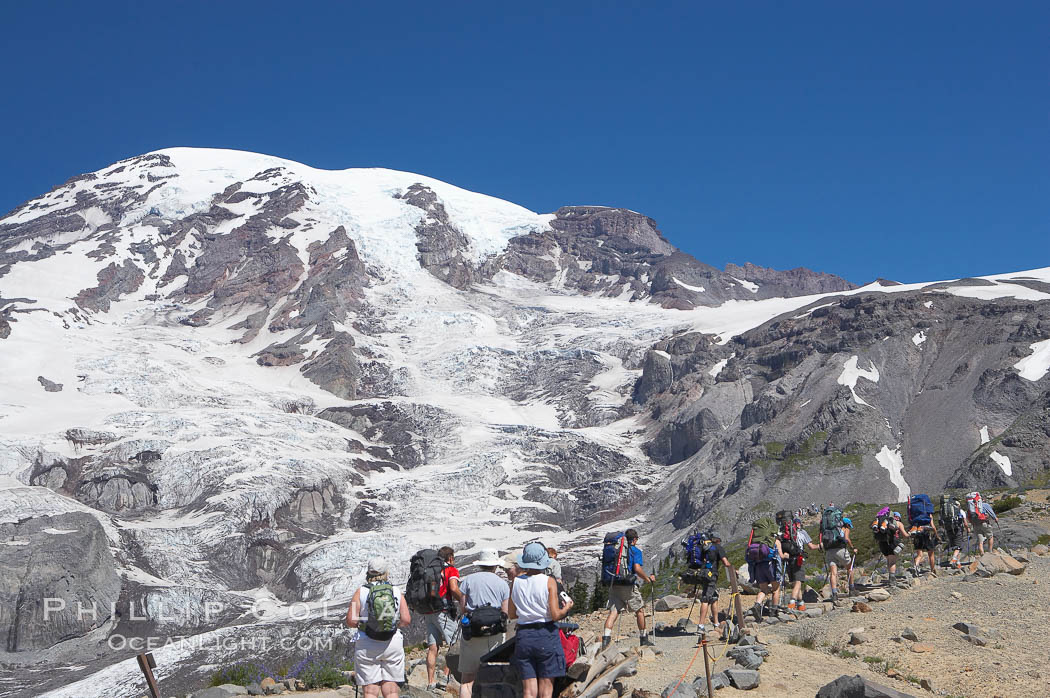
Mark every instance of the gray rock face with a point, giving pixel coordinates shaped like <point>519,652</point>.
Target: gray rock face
<point>799,281</point>
<point>52,564</point>
<point>442,247</point>
<point>49,386</point>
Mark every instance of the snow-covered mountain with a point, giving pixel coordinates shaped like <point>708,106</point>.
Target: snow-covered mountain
<point>230,379</point>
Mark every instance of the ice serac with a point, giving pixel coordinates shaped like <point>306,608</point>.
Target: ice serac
<point>270,373</point>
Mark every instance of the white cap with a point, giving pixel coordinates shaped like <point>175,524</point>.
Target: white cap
<point>378,565</point>
<point>488,557</point>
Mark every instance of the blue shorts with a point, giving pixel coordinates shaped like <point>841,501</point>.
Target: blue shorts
<point>538,653</point>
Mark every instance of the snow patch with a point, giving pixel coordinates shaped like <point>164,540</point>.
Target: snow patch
<point>894,465</point>
<point>984,434</point>
<point>919,338</point>
<point>1034,367</point>
<point>1003,463</point>
<point>749,285</point>
<point>695,289</point>
<point>851,373</point>
<point>928,304</point>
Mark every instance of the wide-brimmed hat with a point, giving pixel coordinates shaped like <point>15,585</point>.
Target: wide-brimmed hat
<point>533,557</point>
<point>488,557</point>
<point>378,565</point>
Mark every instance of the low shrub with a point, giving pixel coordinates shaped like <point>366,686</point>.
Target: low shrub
<point>1006,504</point>
<point>806,637</point>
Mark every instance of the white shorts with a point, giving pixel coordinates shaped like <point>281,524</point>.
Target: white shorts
<point>376,662</point>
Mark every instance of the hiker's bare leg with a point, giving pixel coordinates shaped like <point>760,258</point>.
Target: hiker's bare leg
<point>371,690</point>
<point>703,612</point>
<point>466,685</point>
<point>611,620</point>
<point>529,688</point>
<point>390,689</point>
<point>432,658</point>
<point>834,576</point>
<point>640,616</point>
<point>891,565</point>
<point>546,688</point>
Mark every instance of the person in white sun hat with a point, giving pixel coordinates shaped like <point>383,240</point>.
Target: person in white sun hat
<point>483,609</point>
<point>379,611</point>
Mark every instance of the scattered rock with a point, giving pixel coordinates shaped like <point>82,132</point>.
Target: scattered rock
<point>813,612</point>
<point>679,689</point>
<point>255,689</point>
<point>956,595</point>
<point>745,657</point>
<point>967,628</point>
<point>49,386</point>
<point>878,595</point>
<point>860,607</point>
<point>671,602</point>
<point>743,679</point>
<point>926,685</point>
<point>976,640</point>
<point>859,638</point>
<point>909,634</point>
<point>920,648</point>
<point>224,691</point>
<point>1040,549</point>
<point>858,687</point>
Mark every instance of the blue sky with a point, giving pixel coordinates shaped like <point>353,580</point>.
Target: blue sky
<point>898,140</point>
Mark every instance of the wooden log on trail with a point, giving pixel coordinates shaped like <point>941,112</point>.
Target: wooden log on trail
<point>604,683</point>
<point>585,670</point>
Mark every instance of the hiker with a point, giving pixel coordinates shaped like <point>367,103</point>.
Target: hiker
<point>836,544</point>
<point>621,570</point>
<point>555,569</point>
<point>795,554</point>
<point>922,531</point>
<point>764,556</point>
<point>534,602</point>
<point>484,605</point>
<point>889,533</point>
<point>704,554</point>
<point>953,522</point>
<point>441,625</point>
<point>981,515</point>
<point>379,610</point>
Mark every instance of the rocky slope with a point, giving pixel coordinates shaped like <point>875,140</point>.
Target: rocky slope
<point>253,375</point>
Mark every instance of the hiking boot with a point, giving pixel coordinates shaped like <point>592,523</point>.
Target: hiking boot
<point>792,605</point>
<point>776,611</point>
<point>757,611</point>
<point>852,590</point>
<point>432,687</point>
<point>606,641</point>
<point>646,641</point>
<point>442,681</point>
<point>801,606</point>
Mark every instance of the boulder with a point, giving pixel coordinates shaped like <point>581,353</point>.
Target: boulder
<point>878,595</point>
<point>976,640</point>
<point>745,657</point>
<point>967,628</point>
<point>671,602</point>
<point>909,634</point>
<point>679,689</point>
<point>743,679</point>
<point>719,680</point>
<point>860,607</point>
<point>859,638</point>
<point>1040,549</point>
<point>858,687</point>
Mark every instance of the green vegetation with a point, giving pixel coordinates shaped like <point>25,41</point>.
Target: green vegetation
<point>600,594</point>
<point>1044,539</point>
<point>844,653</point>
<point>806,637</point>
<point>873,660</point>
<point>316,671</point>
<point>808,453</point>
<point>1006,504</point>
<point>580,594</point>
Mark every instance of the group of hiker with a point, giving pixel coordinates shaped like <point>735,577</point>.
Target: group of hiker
<point>776,549</point>
<point>472,612</point>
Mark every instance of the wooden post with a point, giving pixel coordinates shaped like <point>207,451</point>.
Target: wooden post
<point>707,665</point>
<point>736,598</point>
<point>147,665</point>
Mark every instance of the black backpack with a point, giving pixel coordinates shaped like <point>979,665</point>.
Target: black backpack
<point>484,621</point>
<point>950,513</point>
<point>423,591</point>
<point>788,532</point>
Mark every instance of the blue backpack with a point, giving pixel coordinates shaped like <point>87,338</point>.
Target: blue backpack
<point>920,510</point>
<point>616,557</point>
